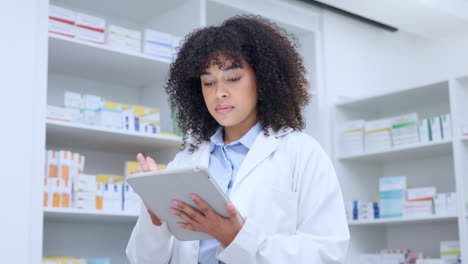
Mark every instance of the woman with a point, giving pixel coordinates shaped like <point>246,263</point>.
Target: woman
<point>239,90</point>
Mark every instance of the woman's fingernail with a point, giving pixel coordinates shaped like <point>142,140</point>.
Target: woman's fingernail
<point>193,196</point>
<point>176,203</point>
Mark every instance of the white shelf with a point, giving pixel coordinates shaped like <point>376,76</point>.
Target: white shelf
<point>79,215</point>
<point>464,139</point>
<point>405,220</point>
<point>67,134</point>
<point>386,103</point>
<point>402,153</point>
<point>99,62</point>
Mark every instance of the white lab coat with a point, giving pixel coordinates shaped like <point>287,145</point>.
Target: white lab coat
<point>289,194</point>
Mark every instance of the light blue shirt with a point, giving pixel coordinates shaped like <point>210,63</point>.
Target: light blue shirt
<point>224,164</point>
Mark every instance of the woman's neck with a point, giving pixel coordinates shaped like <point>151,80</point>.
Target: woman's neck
<point>234,133</point>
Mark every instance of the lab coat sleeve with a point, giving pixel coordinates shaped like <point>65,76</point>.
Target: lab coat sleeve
<point>322,234</point>
<point>150,243</point>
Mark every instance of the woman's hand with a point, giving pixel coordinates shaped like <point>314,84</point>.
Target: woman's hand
<point>208,221</point>
<point>147,164</point>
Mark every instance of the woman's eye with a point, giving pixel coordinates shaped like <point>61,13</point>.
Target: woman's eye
<point>208,83</point>
<point>234,79</point>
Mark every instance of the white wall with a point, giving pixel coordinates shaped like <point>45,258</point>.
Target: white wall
<point>361,59</point>
<point>23,79</point>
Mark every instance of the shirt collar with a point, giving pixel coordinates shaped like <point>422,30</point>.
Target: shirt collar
<point>247,140</point>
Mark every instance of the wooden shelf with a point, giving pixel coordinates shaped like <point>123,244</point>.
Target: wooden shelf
<point>414,151</point>
<point>103,63</point>
<point>67,134</point>
<point>405,220</point>
<point>79,215</point>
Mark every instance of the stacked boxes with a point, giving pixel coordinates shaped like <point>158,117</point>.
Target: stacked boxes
<point>405,129</point>
<point>161,45</point>
<point>59,114</point>
<point>391,256</point>
<point>74,103</point>
<point>110,115</point>
<point>64,173</point>
<point>392,196</point>
<point>398,131</point>
<point>352,137</point>
<point>61,168</point>
<point>429,261</point>
<point>465,130</point>
<point>420,201</point>
<point>61,21</point>
<point>450,252</point>
<point>436,128</point>
<point>357,210</point>
<point>445,203</point>
<point>94,110</point>
<point>378,135</point>
<point>158,44</point>
<point>84,192</point>
<point>150,119</point>
<point>446,126</point>
<point>124,38</point>
<point>112,192</point>
<point>82,26</point>
<point>91,104</point>
<point>132,201</point>
<point>90,28</point>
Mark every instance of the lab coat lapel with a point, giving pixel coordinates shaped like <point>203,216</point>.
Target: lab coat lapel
<point>260,150</point>
<point>201,157</point>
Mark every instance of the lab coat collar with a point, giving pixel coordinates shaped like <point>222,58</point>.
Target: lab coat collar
<point>260,150</point>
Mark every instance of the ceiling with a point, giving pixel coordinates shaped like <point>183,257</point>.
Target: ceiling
<point>426,18</point>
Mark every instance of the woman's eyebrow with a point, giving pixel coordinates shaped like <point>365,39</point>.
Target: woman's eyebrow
<point>232,67</point>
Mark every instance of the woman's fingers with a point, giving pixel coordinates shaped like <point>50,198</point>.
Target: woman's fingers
<point>151,164</point>
<point>232,213</point>
<point>146,164</point>
<point>187,209</point>
<point>204,207</point>
<point>142,161</point>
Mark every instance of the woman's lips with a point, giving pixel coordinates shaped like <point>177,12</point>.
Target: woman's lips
<point>223,109</point>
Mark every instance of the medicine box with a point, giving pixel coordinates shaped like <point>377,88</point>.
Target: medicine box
<point>61,21</point>
<point>90,28</point>
<point>377,135</point>
<point>59,114</point>
<point>420,194</point>
<point>392,196</point>
<point>351,139</point>
<point>405,129</point>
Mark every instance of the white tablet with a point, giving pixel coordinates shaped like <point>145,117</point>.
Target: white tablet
<point>158,188</point>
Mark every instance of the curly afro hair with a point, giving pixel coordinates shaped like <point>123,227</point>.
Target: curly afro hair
<point>266,47</point>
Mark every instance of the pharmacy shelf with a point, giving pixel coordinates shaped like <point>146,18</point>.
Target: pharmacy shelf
<point>383,104</point>
<point>80,215</point>
<point>405,220</point>
<point>413,151</point>
<point>67,134</point>
<point>142,13</point>
<point>103,63</point>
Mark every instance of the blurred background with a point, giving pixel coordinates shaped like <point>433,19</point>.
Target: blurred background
<point>82,93</point>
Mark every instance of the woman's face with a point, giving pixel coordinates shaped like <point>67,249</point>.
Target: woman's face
<point>230,94</point>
